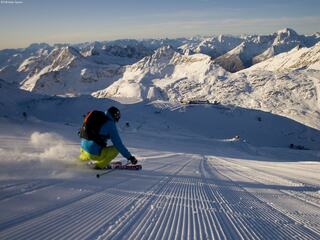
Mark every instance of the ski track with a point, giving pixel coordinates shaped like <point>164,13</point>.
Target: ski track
<point>284,198</point>
<point>175,196</point>
<point>23,188</point>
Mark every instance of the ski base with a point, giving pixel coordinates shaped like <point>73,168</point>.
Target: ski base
<point>119,165</point>
<point>114,167</point>
<point>129,167</point>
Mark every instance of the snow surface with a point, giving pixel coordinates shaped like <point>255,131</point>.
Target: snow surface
<point>198,181</point>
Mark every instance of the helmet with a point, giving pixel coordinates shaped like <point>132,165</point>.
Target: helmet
<point>115,113</point>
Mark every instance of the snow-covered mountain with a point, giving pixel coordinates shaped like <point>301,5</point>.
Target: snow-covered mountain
<point>231,52</point>
<point>62,71</point>
<point>258,48</point>
<point>287,84</point>
<point>241,56</point>
<point>115,54</point>
<point>297,58</point>
<point>70,70</point>
<point>14,57</point>
<point>166,74</point>
<point>212,46</point>
<point>11,59</point>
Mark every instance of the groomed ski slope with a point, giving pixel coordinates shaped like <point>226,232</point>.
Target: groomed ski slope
<point>177,195</point>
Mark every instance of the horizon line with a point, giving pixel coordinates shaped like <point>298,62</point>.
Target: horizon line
<point>72,43</point>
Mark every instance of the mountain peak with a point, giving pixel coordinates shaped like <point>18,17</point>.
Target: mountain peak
<point>61,57</point>
<point>163,51</point>
<point>36,46</point>
<point>72,51</point>
<point>287,32</point>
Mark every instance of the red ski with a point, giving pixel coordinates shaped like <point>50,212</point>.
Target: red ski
<point>129,166</point>
<point>119,166</point>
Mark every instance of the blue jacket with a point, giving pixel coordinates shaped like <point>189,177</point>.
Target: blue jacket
<point>107,131</point>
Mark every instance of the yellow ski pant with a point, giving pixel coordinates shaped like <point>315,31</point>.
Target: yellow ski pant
<point>106,156</point>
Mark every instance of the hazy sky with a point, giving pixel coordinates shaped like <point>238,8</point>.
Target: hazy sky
<point>26,21</point>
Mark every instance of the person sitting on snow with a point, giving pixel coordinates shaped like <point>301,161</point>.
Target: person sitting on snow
<point>97,128</point>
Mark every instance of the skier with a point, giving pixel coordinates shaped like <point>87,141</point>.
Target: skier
<point>95,148</point>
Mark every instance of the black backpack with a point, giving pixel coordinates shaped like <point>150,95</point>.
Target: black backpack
<point>91,125</point>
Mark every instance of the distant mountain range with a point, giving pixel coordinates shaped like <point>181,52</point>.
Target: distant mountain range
<point>255,49</point>
<point>277,73</point>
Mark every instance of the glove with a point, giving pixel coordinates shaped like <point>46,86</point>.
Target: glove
<point>133,160</point>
